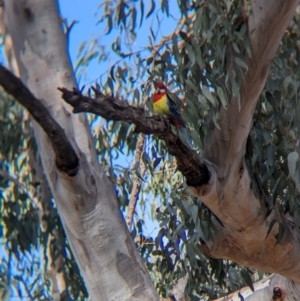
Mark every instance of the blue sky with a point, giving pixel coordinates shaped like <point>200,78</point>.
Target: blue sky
<point>85,29</point>
<point>87,14</point>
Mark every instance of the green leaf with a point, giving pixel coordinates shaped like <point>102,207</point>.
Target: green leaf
<point>194,213</point>
<point>181,232</point>
<point>109,24</point>
<point>191,54</point>
<point>81,48</point>
<point>209,96</point>
<point>215,119</point>
<point>165,6</point>
<point>271,227</point>
<point>235,47</point>
<point>292,161</point>
<point>247,278</point>
<point>110,84</point>
<point>156,162</point>
<point>192,85</point>
<point>111,73</point>
<point>241,63</point>
<point>133,17</point>
<point>222,97</point>
<point>176,49</point>
<point>142,11</point>
<point>183,35</point>
<point>151,9</point>
<point>159,239</point>
<point>287,81</point>
<point>280,234</point>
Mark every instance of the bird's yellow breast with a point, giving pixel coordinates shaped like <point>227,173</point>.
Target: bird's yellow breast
<point>161,106</point>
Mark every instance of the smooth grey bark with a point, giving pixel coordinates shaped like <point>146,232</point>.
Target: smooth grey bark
<point>87,204</point>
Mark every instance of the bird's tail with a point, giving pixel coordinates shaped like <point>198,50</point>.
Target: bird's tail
<point>186,139</point>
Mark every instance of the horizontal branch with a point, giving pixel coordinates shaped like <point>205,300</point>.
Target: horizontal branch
<point>188,162</point>
<point>66,158</point>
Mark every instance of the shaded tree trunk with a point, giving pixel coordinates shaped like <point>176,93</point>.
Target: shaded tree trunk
<point>87,204</point>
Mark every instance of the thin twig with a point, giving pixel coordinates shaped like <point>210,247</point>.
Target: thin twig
<point>167,38</point>
<point>136,183</point>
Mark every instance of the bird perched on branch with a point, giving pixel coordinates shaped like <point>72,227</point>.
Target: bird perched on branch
<point>166,103</point>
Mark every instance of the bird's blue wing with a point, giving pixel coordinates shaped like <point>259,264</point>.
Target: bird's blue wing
<point>172,103</point>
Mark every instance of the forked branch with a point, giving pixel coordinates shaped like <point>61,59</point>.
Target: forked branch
<point>66,158</point>
<point>188,162</point>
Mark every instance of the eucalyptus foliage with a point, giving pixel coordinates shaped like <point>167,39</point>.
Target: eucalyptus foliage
<point>203,61</point>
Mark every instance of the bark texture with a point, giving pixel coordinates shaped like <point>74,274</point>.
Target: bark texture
<point>137,182</point>
<point>274,287</point>
<point>105,253</point>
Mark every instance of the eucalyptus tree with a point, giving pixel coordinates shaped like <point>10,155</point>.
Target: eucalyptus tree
<point>228,208</point>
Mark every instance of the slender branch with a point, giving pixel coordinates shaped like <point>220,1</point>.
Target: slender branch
<point>136,184</point>
<point>168,38</point>
<point>66,158</point>
<point>68,28</point>
<point>188,162</point>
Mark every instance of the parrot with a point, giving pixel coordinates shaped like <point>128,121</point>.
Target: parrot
<point>165,103</point>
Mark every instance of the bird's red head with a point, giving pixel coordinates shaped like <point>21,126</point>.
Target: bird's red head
<point>161,88</point>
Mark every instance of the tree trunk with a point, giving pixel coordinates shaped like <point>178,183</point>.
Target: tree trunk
<point>243,237</point>
<point>87,204</point>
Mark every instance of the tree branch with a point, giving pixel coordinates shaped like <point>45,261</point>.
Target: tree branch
<point>188,162</point>
<point>66,158</point>
<point>136,183</point>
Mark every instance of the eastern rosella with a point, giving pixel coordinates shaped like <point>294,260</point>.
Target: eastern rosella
<point>165,103</point>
